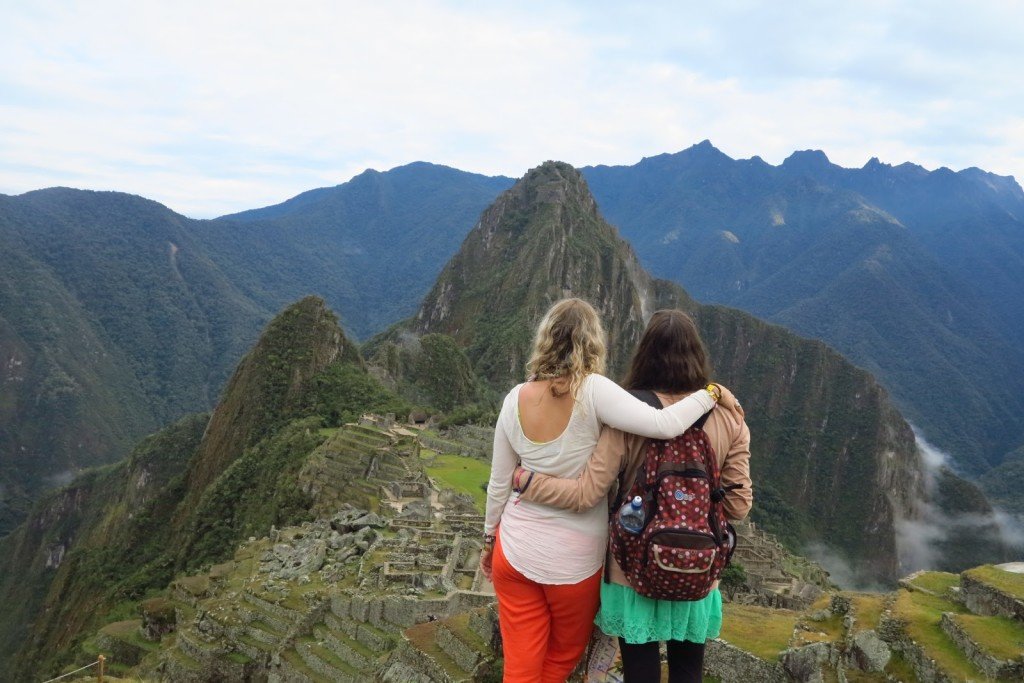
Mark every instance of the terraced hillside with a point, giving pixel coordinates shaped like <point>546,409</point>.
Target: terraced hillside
<point>394,594</point>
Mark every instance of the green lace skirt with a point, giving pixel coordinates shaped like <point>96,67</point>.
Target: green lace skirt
<point>637,619</point>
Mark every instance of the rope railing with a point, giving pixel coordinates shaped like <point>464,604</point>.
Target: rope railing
<point>100,661</point>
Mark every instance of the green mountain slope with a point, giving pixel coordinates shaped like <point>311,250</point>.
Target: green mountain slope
<point>186,495</point>
<point>118,315</point>
<point>112,322</point>
<point>371,247</point>
<point>912,275</point>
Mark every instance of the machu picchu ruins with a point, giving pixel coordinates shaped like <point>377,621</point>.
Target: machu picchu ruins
<point>388,588</point>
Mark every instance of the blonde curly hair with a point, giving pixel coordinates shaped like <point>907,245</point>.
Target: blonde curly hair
<point>569,343</point>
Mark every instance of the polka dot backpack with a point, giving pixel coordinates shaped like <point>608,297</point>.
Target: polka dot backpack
<point>686,541</point>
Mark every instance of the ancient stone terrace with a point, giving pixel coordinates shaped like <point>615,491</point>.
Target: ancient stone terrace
<point>326,601</point>
<point>357,464</point>
<point>775,577</point>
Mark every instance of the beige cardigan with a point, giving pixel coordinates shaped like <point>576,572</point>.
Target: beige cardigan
<point>618,452</point>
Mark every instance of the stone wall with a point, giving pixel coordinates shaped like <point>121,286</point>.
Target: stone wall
<point>993,667</point>
<point>893,631</point>
<point>984,599</point>
<point>730,663</point>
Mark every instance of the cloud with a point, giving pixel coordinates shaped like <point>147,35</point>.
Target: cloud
<point>920,541</point>
<point>214,107</point>
<point>840,570</point>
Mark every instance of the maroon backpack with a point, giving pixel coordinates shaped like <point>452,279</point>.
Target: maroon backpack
<point>686,540</point>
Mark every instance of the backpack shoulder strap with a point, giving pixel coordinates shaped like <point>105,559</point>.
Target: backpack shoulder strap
<point>648,397</point>
<point>651,399</point>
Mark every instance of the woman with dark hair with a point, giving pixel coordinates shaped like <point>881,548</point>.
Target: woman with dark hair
<point>670,361</point>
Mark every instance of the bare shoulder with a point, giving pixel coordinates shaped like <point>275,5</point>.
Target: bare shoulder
<point>529,389</point>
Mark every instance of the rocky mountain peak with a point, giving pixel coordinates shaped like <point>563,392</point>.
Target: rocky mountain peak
<point>807,161</point>
<point>542,240</point>
<point>268,385</point>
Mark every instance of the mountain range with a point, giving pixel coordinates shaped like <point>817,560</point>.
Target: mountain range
<point>834,461</point>
<point>914,275</point>
<point>118,315</point>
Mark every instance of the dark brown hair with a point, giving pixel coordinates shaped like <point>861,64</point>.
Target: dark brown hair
<point>670,357</point>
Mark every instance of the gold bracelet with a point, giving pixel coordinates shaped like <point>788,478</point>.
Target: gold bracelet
<point>715,392</point>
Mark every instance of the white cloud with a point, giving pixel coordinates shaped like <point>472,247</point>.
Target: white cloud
<point>214,107</point>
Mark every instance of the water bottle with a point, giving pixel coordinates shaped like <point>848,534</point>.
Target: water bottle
<point>631,515</point>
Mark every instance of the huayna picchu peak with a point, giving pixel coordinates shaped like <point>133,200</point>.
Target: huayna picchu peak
<point>541,240</point>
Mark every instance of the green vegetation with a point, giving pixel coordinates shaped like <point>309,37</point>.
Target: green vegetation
<point>825,630</point>
<point>343,392</point>
<point>734,576</point>
<point>936,582</point>
<point>463,474</point>
<point>256,491</point>
<point>900,668</point>
<point>867,610</point>
<point>188,494</point>
<point>1007,582</point>
<point>760,631</point>
<point>120,324</point>
<point>1001,637</point>
<point>922,614</point>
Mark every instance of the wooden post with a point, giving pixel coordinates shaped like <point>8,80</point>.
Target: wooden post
<point>102,666</point>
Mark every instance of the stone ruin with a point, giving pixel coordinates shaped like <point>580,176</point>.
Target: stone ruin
<point>775,577</point>
<point>391,591</point>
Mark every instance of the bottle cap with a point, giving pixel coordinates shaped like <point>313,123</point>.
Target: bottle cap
<point>637,501</point>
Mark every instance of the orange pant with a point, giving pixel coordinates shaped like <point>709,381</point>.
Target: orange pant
<point>545,628</point>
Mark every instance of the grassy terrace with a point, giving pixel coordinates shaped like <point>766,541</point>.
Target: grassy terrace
<point>758,630</point>
<point>936,582</point>
<point>459,626</point>
<point>827,631</point>
<point>900,668</point>
<point>867,608</point>
<point>461,473</point>
<point>1001,637</point>
<point>1007,582</point>
<point>858,676</point>
<point>922,613</point>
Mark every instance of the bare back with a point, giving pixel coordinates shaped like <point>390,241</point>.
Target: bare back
<point>545,407</point>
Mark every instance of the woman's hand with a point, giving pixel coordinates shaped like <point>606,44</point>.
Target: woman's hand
<point>487,555</point>
<point>517,478</point>
<point>486,561</point>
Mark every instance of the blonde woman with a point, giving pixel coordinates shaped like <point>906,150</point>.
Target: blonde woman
<point>545,563</point>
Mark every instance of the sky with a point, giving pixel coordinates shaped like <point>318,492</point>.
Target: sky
<point>214,107</point>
